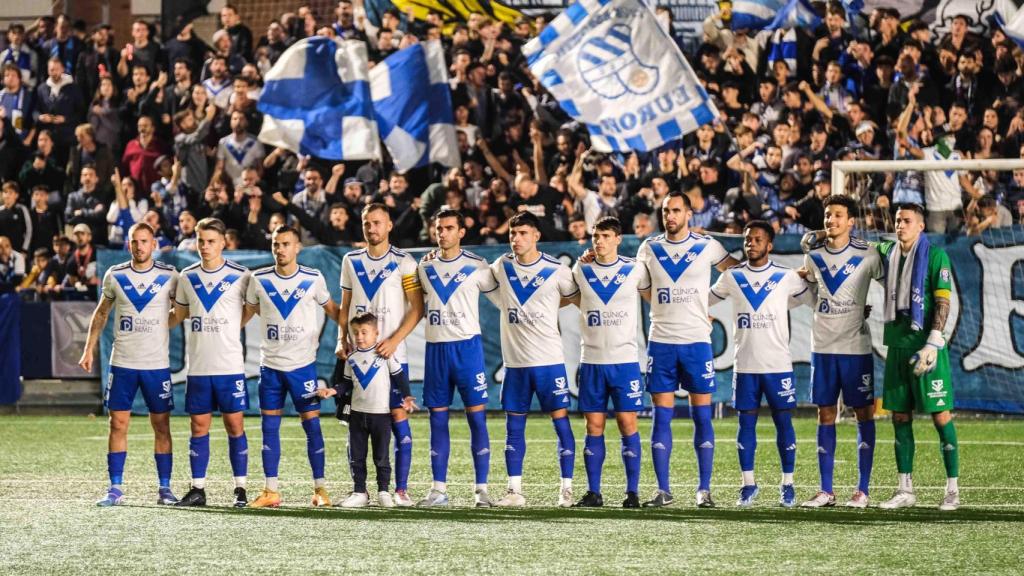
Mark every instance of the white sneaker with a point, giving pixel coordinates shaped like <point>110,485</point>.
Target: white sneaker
<point>402,499</point>
<point>565,498</point>
<point>901,499</point>
<point>950,502</point>
<point>821,500</point>
<point>482,499</point>
<point>512,499</point>
<point>434,499</point>
<point>356,500</point>
<point>384,499</point>
<point>858,500</point>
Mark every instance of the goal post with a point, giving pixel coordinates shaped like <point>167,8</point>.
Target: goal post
<point>843,167</point>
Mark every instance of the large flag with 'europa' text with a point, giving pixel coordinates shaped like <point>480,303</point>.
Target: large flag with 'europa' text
<point>316,101</point>
<point>612,67</point>
<point>413,107</point>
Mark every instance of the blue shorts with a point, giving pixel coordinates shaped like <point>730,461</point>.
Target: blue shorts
<point>549,382</point>
<point>300,384</point>
<point>396,394</point>
<point>779,389</point>
<point>451,365</point>
<point>123,383</point>
<point>224,392</point>
<point>853,374</point>
<point>621,382</point>
<point>672,365</point>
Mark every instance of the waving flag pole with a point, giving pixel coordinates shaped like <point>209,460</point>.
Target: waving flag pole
<point>613,68</point>
<point>316,101</point>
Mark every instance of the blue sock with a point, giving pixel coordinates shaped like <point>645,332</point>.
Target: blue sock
<point>115,467</point>
<point>826,454</point>
<point>515,443</point>
<point>785,439</point>
<point>703,444</point>
<point>271,445</point>
<point>403,453</point>
<point>164,464</point>
<point>199,455</point>
<point>661,445</point>
<point>440,445</point>
<point>593,460</point>
<point>746,441</point>
<point>238,453</point>
<point>315,446</point>
<point>480,444</point>
<point>631,461</point>
<point>865,453</point>
<point>566,446</point>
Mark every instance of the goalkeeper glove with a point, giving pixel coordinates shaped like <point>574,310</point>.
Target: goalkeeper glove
<point>925,359</point>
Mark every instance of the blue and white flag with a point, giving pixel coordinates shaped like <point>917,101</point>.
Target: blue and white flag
<point>782,46</point>
<point>1011,20</point>
<point>413,107</point>
<point>773,14</point>
<point>613,68</point>
<point>316,101</point>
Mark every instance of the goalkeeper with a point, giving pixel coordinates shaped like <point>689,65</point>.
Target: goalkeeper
<point>917,375</point>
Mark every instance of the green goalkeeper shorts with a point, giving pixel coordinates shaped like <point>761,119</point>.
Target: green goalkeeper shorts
<point>905,392</point>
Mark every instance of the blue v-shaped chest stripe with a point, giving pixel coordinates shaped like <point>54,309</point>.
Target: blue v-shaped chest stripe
<point>284,306</point>
<point>370,286</point>
<point>756,297</point>
<point>444,290</point>
<point>605,291</point>
<point>834,282</point>
<point>364,378</point>
<point>677,268</point>
<point>522,291</point>
<point>210,297</point>
<point>141,299</point>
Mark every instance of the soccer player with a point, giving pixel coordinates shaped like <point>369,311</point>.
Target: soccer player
<point>609,302</point>
<point>286,296</point>
<point>139,292</point>
<point>382,280</point>
<point>531,288</point>
<point>762,293</point>
<point>918,283</point>
<point>840,272</point>
<point>679,345</point>
<point>211,295</point>
<point>455,354</point>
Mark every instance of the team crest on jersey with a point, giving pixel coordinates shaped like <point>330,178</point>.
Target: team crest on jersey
<point>224,286</point>
<point>849,269</point>
<point>620,278</point>
<point>538,281</point>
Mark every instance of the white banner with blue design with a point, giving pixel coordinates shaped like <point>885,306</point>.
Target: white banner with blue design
<point>316,101</point>
<point>1011,20</point>
<point>613,68</point>
<point>413,107</point>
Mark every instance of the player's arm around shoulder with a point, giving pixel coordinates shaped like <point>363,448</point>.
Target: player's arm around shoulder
<point>722,288</point>
<point>567,287</point>
<point>800,293</point>
<point>179,302</point>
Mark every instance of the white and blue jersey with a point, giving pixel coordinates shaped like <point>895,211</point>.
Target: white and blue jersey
<point>215,299</point>
<point>454,356</point>
<point>680,275</point>
<point>216,359</point>
<point>841,343</point>
<point>379,286</point>
<point>761,299</point>
<point>139,359</point>
<point>609,317</point>
<point>290,311</point>
<point>371,380</point>
<point>528,297</point>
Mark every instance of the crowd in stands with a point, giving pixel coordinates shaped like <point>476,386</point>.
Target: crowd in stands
<point>98,132</point>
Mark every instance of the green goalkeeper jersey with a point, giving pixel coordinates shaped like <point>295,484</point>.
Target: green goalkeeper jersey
<point>937,283</point>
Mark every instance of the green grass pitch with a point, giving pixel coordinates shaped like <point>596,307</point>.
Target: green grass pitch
<point>52,469</point>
